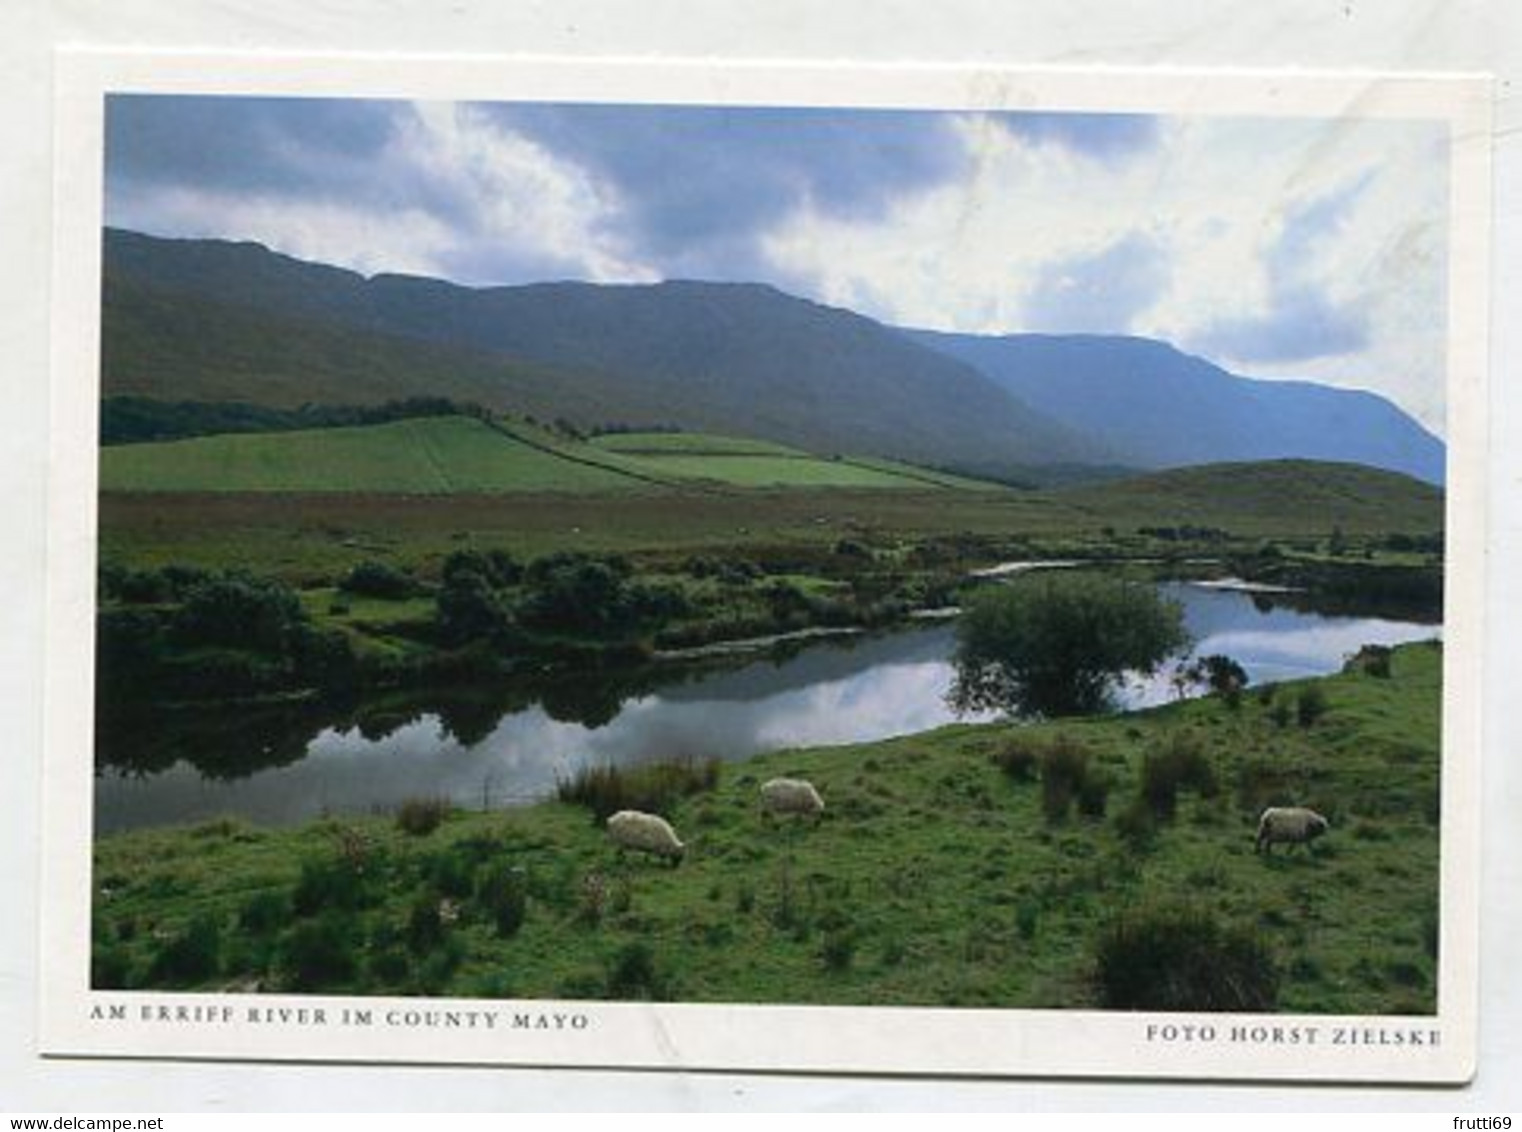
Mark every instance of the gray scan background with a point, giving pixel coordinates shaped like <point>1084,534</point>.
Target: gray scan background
<point>1446,35</point>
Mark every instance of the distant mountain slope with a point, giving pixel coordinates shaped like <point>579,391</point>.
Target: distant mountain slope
<point>735,358</point>
<point>1238,496</point>
<point>1158,407</point>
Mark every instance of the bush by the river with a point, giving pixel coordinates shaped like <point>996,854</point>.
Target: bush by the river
<point>1055,645</point>
<point>379,579</point>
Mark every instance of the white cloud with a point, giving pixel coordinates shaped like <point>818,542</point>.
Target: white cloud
<point>473,202</point>
<point>1215,197</point>
<point>363,239</point>
<point>516,194</point>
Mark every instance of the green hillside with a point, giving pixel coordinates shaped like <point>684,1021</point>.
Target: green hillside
<point>211,321</point>
<point>1240,496</point>
<point>430,456</point>
<point>692,444</point>
<point>934,877</point>
<point>925,476</point>
<point>452,455</point>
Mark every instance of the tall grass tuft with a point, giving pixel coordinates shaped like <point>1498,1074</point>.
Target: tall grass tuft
<point>502,891</point>
<point>421,816</point>
<point>1180,764</point>
<point>632,973</point>
<point>1064,777</point>
<point>1310,705</point>
<point>1185,959</point>
<point>652,787</point>
<point>320,953</point>
<point>1018,758</point>
<point>191,956</point>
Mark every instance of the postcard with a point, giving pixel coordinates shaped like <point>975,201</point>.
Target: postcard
<point>910,570</point>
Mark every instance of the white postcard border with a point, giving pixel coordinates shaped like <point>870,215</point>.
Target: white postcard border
<point>78,1021</point>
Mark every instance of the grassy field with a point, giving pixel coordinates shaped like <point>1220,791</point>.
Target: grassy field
<point>427,456</point>
<point>1328,495</point>
<point>461,455</point>
<point>776,471</point>
<point>934,877</point>
<point>316,535</point>
<point>693,444</point>
<point>312,535</point>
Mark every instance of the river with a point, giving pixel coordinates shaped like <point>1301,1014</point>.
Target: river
<point>510,745</point>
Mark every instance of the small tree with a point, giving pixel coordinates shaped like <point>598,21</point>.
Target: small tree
<point>1056,646</point>
<point>468,609</point>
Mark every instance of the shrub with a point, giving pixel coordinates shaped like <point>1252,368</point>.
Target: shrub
<point>573,592</point>
<point>1093,795</point>
<point>1137,824</point>
<point>389,967</point>
<point>1064,773</point>
<point>1056,645</point>
<point>425,925</point>
<point>469,609</point>
<point>594,899</point>
<point>1018,758</point>
<point>452,872</point>
<point>265,913</point>
<point>838,949</point>
<point>632,973</point>
<point>1260,783</point>
<point>191,956</point>
<point>239,611</point>
<point>1223,674</point>
<point>496,567</point>
<point>109,967</point>
<point>1027,918</point>
<point>432,973</point>
<point>379,579</point>
<point>1280,714</point>
<point>652,787</point>
<point>1183,959</point>
<point>1181,764</point>
<point>502,891</point>
<point>421,816</point>
<point>1310,705</point>
<point>1371,660</point>
<point>320,953</point>
<point>329,883</point>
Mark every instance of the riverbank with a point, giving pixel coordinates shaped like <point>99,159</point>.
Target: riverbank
<point>935,878</point>
<point>181,634</point>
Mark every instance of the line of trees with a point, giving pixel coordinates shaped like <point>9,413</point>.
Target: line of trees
<point>141,420</point>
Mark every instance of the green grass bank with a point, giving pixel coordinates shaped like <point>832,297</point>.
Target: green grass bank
<point>947,870</point>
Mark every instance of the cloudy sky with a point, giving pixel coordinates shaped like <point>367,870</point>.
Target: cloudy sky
<point>1275,247</point>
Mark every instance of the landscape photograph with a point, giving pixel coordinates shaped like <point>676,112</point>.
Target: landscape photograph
<point>794,555</point>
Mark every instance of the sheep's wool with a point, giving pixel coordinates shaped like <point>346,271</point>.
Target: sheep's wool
<point>1294,825</point>
<point>791,796</point>
<point>647,833</point>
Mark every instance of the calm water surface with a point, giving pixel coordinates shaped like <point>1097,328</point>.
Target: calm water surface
<point>510,747</point>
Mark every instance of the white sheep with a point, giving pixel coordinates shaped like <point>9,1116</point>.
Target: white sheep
<point>791,796</point>
<point>1294,825</point>
<point>647,833</point>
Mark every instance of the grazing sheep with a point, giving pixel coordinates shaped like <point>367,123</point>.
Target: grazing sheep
<point>791,796</point>
<point>647,833</point>
<point>1294,825</point>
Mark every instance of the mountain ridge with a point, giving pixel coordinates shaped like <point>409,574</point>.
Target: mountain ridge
<point>722,357</point>
<point>236,320</point>
<point>1126,389</point>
